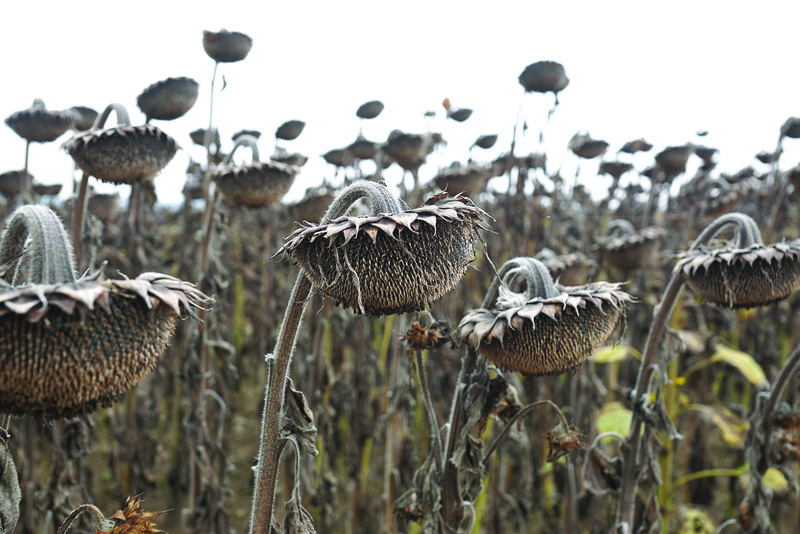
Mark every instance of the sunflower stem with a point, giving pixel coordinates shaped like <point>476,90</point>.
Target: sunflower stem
<point>243,140</point>
<point>380,199</point>
<point>271,443</point>
<point>49,250</point>
<point>748,231</point>
<point>123,118</point>
<point>626,504</point>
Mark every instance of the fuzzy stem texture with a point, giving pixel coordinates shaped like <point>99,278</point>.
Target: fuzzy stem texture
<point>49,250</point>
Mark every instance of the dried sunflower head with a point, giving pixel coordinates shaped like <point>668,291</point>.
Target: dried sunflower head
<point>469,180</point>
<point>625,248</point>
<point>256,184</point>
<point>168,99</point>
<point>123,154</point>
<point>12,182</point>
<point>369,110</point>
<point>393,261</point>
<point>743,273</point>
<point>549,329</point>
<point>83,116</point>
<point>74,345</point>
<point>226,47</point>
<point>290,130</point>
<point>133,519</point>
<point>584,146</point>
<point>39,124</point>
<point>543,77</point>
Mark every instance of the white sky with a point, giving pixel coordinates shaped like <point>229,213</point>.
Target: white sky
<point>658,70</point>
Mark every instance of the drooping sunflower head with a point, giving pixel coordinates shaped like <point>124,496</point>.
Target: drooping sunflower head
<point>73,345</point>
<point>626,248</point>
<point>123,154</point>
<point>743,273</point>
<point>393,261</point>
<point>548,329</point>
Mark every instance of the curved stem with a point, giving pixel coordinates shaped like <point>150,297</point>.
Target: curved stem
<point>101,522</point>
<point>381,200</point>
<point>51,260</point>
<point>122,116</point>
<point>243,140</point>
<point>626,504</point>
<point>271,443</point>
<point>749,233</point>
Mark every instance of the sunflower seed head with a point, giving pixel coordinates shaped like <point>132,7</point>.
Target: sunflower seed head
<point>389,262</point>
<point>75,347</point>
<point>743,277</point>
<point>545,336</point>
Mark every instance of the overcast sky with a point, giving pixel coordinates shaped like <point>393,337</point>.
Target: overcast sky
<point>658,70</point>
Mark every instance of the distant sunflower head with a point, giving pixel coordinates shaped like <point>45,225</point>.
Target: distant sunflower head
<point>393,261</point>
<point>74,345</point>
<point>39,124</point>
<point>123,154</point>
<point>546,330</point>
<point>256,184</point>
<point>226,47</point>
<point>168,99</point>
<point>743,273</point>
<point>626,248</point>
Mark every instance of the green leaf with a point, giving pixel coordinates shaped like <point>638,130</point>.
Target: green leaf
<point>775,480</point>
<point>615,354</point>
<point>695,521</point>
<point>732,427</point>
<point>614,417</point>
<point>743,362</point>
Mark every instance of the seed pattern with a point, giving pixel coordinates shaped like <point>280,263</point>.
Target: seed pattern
<point>546,336</point>
<point>72,348</point>
<point>743,277</point>
<point>389,263</point>
<point>123,154</point>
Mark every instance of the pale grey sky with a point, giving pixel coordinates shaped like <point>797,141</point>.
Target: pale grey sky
<point>658,70</point>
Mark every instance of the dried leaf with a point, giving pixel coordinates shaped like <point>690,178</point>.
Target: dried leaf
<point>297,421</point>
<point>601,474</point>
<point>10,494</point>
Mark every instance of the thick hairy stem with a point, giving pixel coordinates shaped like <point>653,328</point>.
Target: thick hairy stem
<point>747,230</point>
<point>538,281</point>
<point>626,504</point>
<point>49,250</point>
<point>271,445</point>
<point>380,199</point>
